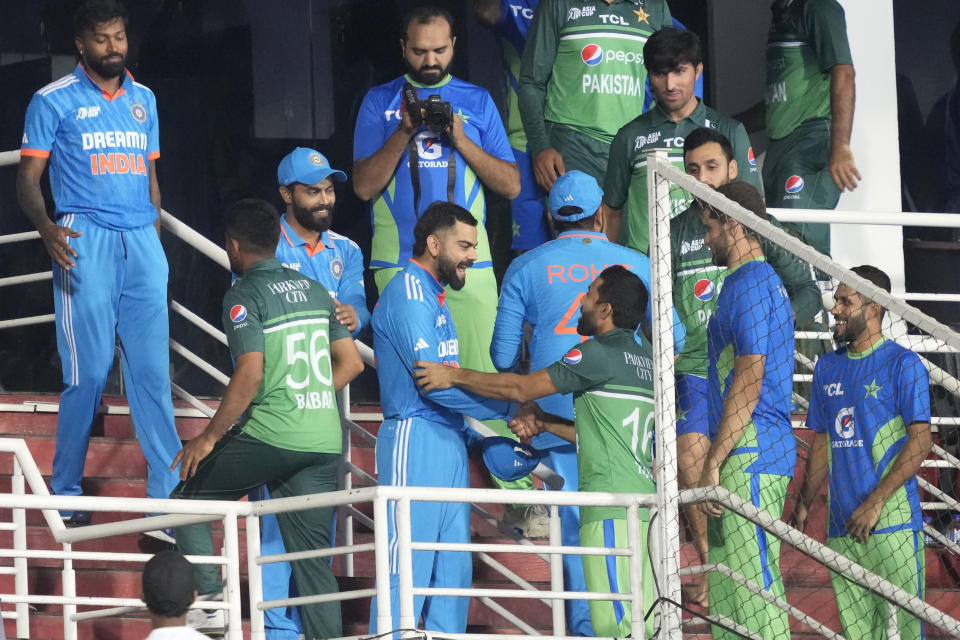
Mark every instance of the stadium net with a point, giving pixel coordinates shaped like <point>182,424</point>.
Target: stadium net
<point>853,414</point>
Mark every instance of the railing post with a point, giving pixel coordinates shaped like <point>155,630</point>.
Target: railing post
<point>635,542</point>
<point>343,402</point>
<point>556,573</point>
<point>405,553</point>
<point>255,578</point>
<point>69,591</point>
<point>381,536</point>
<point>893,629</point>
<point>21,583</point>
<point>231,549</point>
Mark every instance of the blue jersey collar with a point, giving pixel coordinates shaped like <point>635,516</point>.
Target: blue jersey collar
<point>580,233</point>
<point>428,280</point>
<point>291,237</point>
<point>125,84</point>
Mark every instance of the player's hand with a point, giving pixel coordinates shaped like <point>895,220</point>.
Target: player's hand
<point>527,422</point>
<point>864,519</point>
<point>192,455</point>
<point>710,478</point>
<point>56,240</point>
<point>843,169</point>
<point>407,127</point>
<point>433,375</point>
<point>347,316</point>
<point>798,518</point>
<point>547,166</point>
<point>457,134</point>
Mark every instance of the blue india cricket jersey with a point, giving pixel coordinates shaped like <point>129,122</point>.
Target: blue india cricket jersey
<point>864,402</point>
<point>336,263</point>
<point>543,287</point>
<point>393,213</point>
<point>99,147</point>
<point>754,316</point>
<point>412,322</point>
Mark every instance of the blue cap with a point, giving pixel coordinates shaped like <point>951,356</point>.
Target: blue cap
<point>578,190</point>
<point>307,166</point>
<point>508,459</point>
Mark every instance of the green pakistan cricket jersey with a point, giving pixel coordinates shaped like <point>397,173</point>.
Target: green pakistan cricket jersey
<point>291,320</point>
<point>611,379</point>
<point>807,38</point>
<point>583,67</point>
<point>625,186</point>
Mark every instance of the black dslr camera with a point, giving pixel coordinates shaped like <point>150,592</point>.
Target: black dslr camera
<point>433,112</point>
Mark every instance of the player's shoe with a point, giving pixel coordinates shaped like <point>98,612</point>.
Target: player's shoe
<point>163,535</point>
<point>72,519</point>
<point>530,520</point>
<point>211,623</point>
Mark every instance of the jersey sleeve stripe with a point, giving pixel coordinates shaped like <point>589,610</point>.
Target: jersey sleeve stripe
<point>153,156</point>
<point>35,153</point>
<point>58,84</point>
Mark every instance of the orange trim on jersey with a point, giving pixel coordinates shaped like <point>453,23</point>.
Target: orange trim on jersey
<point>35,153</point>
<point>311,251</point>
<point>594,234</point>
<point>428,271</point>
<point>286,237</point>
<point>107,96</point>
<point>153,156</point>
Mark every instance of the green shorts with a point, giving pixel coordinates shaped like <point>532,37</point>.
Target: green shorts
<point>896,556</point>
<point>796,175</point>
<point>611,574</point>
<point>748,550</point>
<point>579,151</point>
<point>474,311</point>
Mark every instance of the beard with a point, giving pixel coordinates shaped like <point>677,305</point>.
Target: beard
<point>108,67</point>
<point>308,219</point>
<point>585,327</point>
<point>428,75</point>
<point>447,272</point>
<point>720,254</point>
<point>853,327</point>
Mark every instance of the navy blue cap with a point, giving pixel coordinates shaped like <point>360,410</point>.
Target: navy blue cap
<point>308,167</point>
<point>508,459</point>
<point>578,190</point>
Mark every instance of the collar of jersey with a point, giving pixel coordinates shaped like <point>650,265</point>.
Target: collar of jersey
<point>428,86</point>
<point>697,116</point>
<point>730,271</point>
<point>82,74</point>
<point>863,354</point>
<point>431,279</point>
<point>576,233</point>
<point>289,234</point>
<point>264,265</point>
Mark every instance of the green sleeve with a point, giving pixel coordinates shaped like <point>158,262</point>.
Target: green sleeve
<point>678,224</point>
<point>795,274</point>
<point>581,369</point>
<point>665,19</point>
<point>616,184</point>
<point>741,153</point>
<point>245,334</point>
<point>826,28</point>
<point>337,330</point>
<point>539,53</point>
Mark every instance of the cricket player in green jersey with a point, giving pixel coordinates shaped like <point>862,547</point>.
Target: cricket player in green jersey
<point>697,282</point>
<point>278,423</point>
<point>611,379</point>
<point>674,60</point>
<point>809,111</point>
<point>582,78</point>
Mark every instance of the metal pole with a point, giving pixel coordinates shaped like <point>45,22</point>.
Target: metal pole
<point>21,583</point>
<point>231,549</point>
<point>344,403</point>
<point>556,573</point>
<point>635,542</point>
<point>661,280</point>
<point>255,578</point>
<point>382,554</point>
<point>893,630</point>
<point>69,591</point>
<point>405,553</point>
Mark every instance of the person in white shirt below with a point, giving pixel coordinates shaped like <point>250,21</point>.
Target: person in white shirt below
<point>168,591</point>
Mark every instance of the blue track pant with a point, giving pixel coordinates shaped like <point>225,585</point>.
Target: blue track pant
<point>529,220</point>
<point>416,452</point>
<point>118,288</point>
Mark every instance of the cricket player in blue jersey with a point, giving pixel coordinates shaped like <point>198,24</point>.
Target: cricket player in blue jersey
<point>543,288</point>
<point>309,246</point>
<point>510,20</point>
<point>455,165</point>
<point>870,409</point>
<point>752,451</point>
<point>97,129</point>
<point>421,441</point>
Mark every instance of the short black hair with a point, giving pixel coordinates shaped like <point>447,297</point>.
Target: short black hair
<point>669,48</point>
<point>439,216</point>
<point>873,274</point>
<point>168,584</point>
<point>94,12</point>
<point>705,135</point>
<point>744,194</point>
<point>566,225</point>
<point>424,15</point>
<point>626,294</point>
<point>255,224</point>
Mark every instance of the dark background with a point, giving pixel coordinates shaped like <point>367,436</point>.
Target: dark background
<point>240,83</point>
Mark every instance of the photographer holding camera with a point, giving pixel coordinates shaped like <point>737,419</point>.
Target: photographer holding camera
<point>429,136</point>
